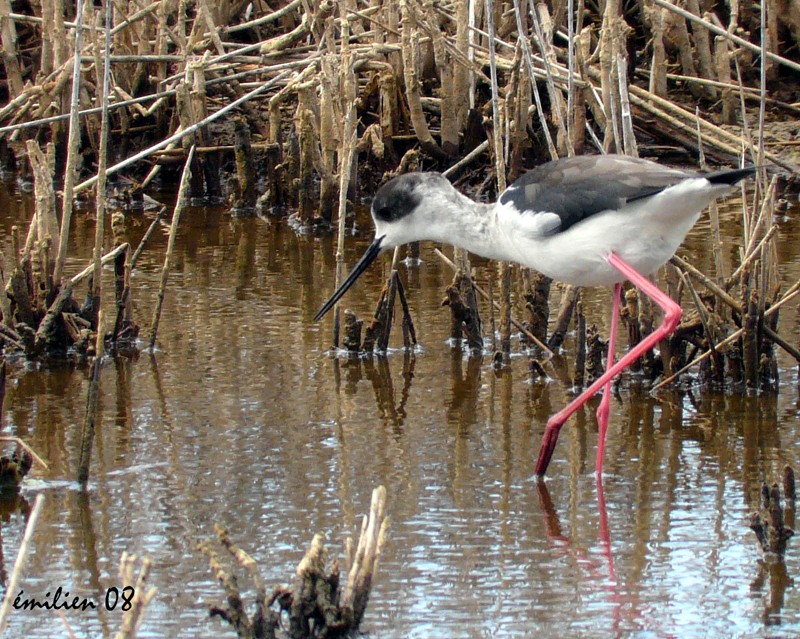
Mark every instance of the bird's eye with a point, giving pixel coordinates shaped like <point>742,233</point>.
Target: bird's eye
<point>384,213</point>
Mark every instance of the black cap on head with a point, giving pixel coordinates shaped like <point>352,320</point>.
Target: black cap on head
<point>397,198</point>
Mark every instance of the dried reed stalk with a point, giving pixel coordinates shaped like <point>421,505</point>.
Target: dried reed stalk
<point>132,617</point>
<point>410,47</point>
<point>100,193</point>
<point>180,204</point>
<point>19,563</point>
<point>349,134</point>
<point>87,434</point>
<point>72,147</point>
<point>365,561</point>
<point>8,38</point>
<point>722,32</point>
<point>183,133</point>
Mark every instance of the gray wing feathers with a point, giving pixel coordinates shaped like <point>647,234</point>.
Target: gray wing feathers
<point>577,188</point>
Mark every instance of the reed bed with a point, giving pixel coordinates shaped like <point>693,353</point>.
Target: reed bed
<point>300,108</point>
<point>303,107</point>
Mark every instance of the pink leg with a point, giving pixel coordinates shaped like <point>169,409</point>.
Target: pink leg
<point>672,315</point>
<point>605,403</point>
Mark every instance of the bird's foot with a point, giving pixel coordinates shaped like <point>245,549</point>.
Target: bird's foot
<point>549,440</point>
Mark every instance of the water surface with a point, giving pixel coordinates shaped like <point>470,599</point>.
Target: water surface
<point>243,417</point>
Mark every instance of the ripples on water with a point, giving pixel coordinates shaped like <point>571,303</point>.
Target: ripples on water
<point>242,418</point>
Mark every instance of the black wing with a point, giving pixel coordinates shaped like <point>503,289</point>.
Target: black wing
<point>577,188</point>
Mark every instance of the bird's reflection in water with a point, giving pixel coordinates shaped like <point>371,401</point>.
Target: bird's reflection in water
<point>598,567</point>
<point>599,570</point>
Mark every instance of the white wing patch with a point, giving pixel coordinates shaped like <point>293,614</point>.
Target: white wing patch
<point>541,223</point>
<point>530,224</point>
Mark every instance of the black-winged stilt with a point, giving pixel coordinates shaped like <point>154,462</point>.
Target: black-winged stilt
<point>588,221</point>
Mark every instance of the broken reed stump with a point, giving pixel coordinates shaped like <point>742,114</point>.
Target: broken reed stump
<point>769,525</point>
<point>569,297</point>
<point>579,374</point>
<point>463,303</point>
<point>317,604</point>
<point>773,529</point>
<point>13,469</point>
<point>352,331</point>
<point>465,319</point>
<point>391,295</point>
<point>125,329</point>
<point>494,305</point>
<point>537,301</point>
<point>629,314</point>
<point>245,194</point>
<point>595,350</point>
<point>376,335</point>
<point>40,314</point>
<point>130,581</point>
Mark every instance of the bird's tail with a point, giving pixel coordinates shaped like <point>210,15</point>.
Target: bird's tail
<point>730,176</point>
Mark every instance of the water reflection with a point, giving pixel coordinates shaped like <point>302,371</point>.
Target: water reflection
<point>242,417</point>
<point>465,380</point>
<point>773,574</point>
<point>598,571</point>
<point>11,503</point>
<point>377,370</point>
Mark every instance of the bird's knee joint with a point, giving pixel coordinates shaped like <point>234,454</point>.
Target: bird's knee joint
<point>554,425</point>
<point>673,316</point>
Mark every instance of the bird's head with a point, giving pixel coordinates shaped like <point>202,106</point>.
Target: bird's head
<point>403,211</point>
<point>404,208</point>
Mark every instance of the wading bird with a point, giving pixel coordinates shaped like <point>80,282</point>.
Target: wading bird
<point>588,221</point>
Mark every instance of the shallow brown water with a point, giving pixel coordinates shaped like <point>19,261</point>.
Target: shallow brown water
<point>242,417</point>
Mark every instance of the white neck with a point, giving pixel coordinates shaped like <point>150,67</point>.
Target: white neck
<point>452,218</point>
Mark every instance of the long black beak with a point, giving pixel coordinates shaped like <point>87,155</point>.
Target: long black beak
<point>368,258</point>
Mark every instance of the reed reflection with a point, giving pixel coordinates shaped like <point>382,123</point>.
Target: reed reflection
<point>377,370</point>
<point>86,551</point>
<point>465,390</point>
<point>246,232</point>
<point>11,503</point>
<point>771,581</point>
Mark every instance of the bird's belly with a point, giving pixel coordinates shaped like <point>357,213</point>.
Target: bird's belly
<point>579,255</point>
<point>591,267</point>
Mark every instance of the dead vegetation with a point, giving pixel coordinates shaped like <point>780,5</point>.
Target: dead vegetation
<point>773,525</point>
<point>303,107</point>
<point>319,603</point>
